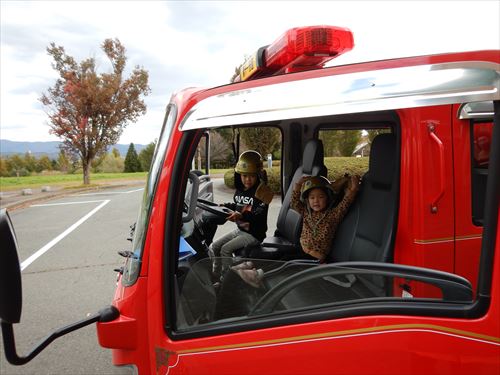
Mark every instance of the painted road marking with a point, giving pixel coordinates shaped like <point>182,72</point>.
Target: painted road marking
<point>111,192</point>
<point>64,203</point>
<point>48,246</point>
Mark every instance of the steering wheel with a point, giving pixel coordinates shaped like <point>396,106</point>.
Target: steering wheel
<point>453,287</point>
<point>214,208</point>
<point>270,300</point>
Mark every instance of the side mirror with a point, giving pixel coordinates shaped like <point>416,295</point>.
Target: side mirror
<point>191,197</point>
<point>11,298</point>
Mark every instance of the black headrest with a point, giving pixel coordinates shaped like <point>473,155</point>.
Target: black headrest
<point>383,160</point>
<point>313,156</point>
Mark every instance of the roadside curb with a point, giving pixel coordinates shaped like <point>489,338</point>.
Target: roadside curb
<point>20,201</point>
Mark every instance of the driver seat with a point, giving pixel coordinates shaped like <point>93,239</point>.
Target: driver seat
<point>285,244</point>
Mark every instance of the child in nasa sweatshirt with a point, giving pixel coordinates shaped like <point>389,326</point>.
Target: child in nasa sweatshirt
<point>250,206</point>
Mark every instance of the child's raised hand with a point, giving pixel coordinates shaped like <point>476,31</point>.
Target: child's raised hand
<point>340,184</point>
<point>353,184</point>
<point>303,179</point>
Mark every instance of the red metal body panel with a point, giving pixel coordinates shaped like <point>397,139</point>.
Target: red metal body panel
<point>127,334</point>
<point>425,238</point>
<point>373,345</point>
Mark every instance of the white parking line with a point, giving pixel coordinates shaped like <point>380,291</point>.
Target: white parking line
<point>64,203</point>
<point>112,192</point>
<point>47,247</point>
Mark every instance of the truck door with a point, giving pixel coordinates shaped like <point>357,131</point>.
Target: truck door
<point>306,317</point>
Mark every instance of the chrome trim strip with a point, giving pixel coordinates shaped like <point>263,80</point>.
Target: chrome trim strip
<point>476,110</point>
<point>406,87</point>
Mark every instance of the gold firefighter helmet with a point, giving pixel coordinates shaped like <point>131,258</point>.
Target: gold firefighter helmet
<point>249,162</point>
<point>314,182</point>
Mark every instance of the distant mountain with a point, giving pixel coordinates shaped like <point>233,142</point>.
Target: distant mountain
<point>51,149</point>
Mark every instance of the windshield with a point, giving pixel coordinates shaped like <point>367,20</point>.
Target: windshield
<point>132,267</point>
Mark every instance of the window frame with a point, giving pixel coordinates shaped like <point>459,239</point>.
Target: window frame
<point>476,171</point>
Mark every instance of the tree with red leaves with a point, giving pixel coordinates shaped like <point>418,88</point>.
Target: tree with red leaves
<point>88,110</point>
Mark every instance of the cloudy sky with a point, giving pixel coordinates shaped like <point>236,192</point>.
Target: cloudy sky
<point>199,43</point>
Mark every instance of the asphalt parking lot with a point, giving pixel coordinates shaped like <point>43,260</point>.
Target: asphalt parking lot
<point>67,244</point>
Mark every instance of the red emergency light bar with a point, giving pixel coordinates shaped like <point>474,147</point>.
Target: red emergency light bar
<point>298,49</point>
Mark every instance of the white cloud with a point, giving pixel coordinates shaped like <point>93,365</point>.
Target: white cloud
<point>199,43</point>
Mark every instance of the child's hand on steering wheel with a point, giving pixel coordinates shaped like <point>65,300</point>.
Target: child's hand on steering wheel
<point>235,216</point>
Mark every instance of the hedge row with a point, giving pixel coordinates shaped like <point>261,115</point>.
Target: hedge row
<point>337,167</point>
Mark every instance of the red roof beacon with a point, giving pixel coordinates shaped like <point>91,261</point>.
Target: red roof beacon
<point>298,49</point>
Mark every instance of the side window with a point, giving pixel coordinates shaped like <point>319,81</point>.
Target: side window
<point>212,166</point>
<point>481,133</point>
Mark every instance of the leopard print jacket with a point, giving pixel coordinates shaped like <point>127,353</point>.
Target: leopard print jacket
<point>318,228</point>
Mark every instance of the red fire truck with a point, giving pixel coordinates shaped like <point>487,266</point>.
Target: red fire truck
<point>411,284</point>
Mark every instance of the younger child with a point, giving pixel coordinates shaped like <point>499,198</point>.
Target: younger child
<point>314,198</point>
<point>250,206</point>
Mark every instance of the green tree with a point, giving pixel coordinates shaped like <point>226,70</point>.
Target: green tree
<point>16,165</point>
<point>146,156</point>
<point>340,142</point>
<point>132,163</point>
<point>88,110</point>
<point>29,162</point>
<point>330,140</point>
<point>63,162</point>
<point>96,163</point>
<point>348,141</point>
<point>43,164</point>
<point>115,152</point>
<point>261,139</point>
<point>4,171</point>
<point>374,132</point>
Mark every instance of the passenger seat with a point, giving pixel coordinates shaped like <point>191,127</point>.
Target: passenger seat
<point>367,231</point>
<point>366,234</point>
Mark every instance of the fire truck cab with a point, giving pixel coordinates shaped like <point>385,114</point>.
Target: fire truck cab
<point>412,280</point>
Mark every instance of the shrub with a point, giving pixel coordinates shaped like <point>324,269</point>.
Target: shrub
<point>273,179</point>
<point>111,164</point>
<point>23,172</point>
<point>337,167</point>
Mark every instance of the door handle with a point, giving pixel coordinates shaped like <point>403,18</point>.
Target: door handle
<point>432,133</point>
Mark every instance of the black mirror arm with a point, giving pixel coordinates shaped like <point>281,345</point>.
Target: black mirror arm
<point>105,315</point>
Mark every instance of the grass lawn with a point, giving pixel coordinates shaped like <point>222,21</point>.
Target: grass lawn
<point>337,166</point>
<point>66,180</point>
